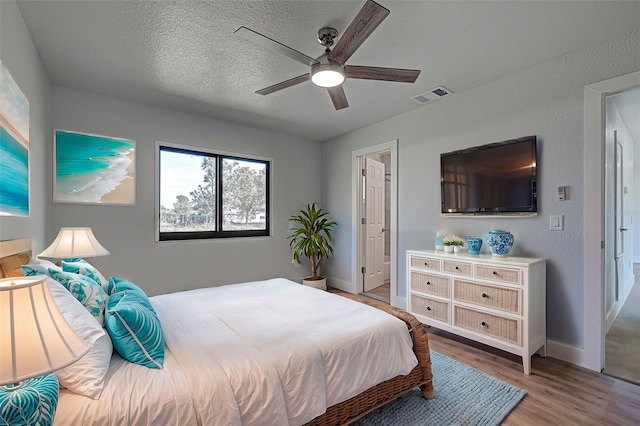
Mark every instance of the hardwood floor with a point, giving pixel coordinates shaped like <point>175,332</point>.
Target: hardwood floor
<point>622,353</point>
<point>558,393</point>
<point>381,293</point>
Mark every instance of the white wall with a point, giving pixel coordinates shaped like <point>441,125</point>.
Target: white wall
<point>545,100</point>
<point>128,231</point>
<point>19,55</point>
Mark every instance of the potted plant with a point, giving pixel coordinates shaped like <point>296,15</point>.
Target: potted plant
<point>452,243</point>
<point>311,238</point>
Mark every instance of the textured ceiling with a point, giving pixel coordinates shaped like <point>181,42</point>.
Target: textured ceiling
<point>184,55</point>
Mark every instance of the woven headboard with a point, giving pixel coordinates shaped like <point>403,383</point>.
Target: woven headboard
<point>14,254</point>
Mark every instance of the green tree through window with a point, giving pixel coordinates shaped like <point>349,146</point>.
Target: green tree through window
<point>208,195</point>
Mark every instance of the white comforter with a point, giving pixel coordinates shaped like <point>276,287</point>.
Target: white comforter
<point>262,353</point>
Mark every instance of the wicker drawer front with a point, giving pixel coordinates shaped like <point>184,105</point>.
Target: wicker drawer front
<point>425,263</point>
<point>504,299</point>
<point>460,268</point>
<point>492,325</point>
<point>428,283</point>
<point>430,308</point>
<point>498,274</point>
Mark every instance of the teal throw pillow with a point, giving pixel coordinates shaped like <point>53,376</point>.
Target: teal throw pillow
<point>34,402</point>
<point>82,267</point>
<point>135,330</point>
<point>119,285</point>
<point>35,269</point>
<point>88,292</point>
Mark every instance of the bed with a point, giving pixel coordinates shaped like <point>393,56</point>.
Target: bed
<point>271,352</point>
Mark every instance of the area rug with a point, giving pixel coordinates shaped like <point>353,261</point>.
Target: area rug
<point>464,396</point>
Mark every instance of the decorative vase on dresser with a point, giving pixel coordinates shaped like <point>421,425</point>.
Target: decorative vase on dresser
<point>474,244</point>
<point>500,302</point>
<point>500,242</point>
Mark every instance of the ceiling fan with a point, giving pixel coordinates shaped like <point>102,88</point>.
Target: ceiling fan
<point>329,69</point>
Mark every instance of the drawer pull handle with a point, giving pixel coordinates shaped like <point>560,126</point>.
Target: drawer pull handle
<point>484,324</point>
<point>457,268</point>
<point>428,308</point>
<point>426,264</point>
<point>484,295</point>
<point>428,282</point>
<point>494,273</point>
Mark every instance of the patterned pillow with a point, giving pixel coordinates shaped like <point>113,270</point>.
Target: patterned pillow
<point>135,330</point>
<point>87,375</point>
<point>82,267</point>
<point>38,269</point>
<point>38,397</point>
<point>88,292</point>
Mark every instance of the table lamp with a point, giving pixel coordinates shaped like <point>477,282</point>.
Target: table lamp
<point>74,242</point>
<point>36,339</point>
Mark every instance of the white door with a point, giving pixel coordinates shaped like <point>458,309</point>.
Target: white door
<point>620,226</point>
<point>374,220</point>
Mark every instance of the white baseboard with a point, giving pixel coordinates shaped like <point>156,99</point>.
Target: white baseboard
<point>636,259</point>
<point>343,285</point>
<point>568,353</point>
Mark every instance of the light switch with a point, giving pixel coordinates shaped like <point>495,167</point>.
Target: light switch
<point>556,222</point>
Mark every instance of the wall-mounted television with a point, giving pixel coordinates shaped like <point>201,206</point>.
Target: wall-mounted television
<point>498,178</point>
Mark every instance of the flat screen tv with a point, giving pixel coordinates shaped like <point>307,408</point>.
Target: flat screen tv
<point>498,178</point>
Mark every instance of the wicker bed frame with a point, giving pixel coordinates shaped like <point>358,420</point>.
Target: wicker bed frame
<point>360,405</point>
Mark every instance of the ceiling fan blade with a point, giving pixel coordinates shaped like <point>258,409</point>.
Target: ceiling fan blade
<point>365,22</point>
<point>275,46</point>
<point>284,84</point>
<point>385,74</point>
<point>338,97</point>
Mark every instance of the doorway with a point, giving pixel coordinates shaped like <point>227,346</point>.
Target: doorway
<point>592,355</point>
<point>377,208</point>
<point>621,293</point>
<point>374,222</point>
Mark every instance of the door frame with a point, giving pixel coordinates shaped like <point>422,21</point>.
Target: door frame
<point>594,124</point>
<point>357,232</point>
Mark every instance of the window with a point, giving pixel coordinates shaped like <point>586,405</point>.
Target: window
<point>208,195</point>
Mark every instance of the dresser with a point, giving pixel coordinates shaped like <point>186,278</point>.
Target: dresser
<point>500,302</point>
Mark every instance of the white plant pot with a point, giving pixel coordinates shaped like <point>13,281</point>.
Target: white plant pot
<point>319,284</point>
<point>448,249</point>
<point>457,249</point>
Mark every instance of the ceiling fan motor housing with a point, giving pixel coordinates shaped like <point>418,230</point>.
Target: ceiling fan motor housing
<point>327,36</point>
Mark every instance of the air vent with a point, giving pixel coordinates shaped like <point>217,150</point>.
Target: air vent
<point>431,95</point>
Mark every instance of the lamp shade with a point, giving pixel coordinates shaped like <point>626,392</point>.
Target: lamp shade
<point>36,338</point>
<point>74,242</point>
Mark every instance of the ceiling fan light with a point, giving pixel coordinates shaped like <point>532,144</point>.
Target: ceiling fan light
<point>327,75</point>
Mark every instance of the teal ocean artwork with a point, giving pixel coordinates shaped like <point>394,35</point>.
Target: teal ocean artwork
<point>89,167</point>
<point>14,176</point>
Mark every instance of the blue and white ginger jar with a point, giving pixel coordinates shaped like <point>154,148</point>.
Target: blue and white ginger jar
<point>500,242</point>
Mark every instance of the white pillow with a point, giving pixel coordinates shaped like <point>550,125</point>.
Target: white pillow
<point>85,376</point>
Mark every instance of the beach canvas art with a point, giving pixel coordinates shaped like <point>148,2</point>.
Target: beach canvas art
<point>93,169</point>
<point>14,147</point>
